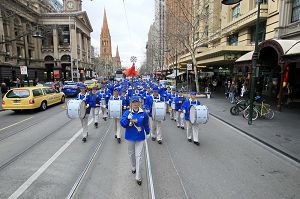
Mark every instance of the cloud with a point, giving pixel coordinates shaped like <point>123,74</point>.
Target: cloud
<point>131,36</point>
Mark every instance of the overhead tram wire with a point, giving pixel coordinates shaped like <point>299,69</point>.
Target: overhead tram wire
<point>127,22</point>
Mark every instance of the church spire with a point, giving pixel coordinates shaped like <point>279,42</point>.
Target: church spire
<point>105,29</point>
<point>117,53</point>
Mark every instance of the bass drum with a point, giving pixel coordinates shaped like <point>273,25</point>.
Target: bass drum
<point>115,108</point>
<point>76,109</point>
<point>198,114</point>
<point>159,111</point>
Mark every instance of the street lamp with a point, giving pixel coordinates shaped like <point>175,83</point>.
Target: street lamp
<point>254,57</point>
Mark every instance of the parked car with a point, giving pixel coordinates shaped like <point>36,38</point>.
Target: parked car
<point>31,98</point>
<point>70,89</point>
<point>90,84</point>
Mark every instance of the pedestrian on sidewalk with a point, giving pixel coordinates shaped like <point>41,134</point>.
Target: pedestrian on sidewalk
<point>4,89</point>
<point>192,130</point>
<point>136,124</point>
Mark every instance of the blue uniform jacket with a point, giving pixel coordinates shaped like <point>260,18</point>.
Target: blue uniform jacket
<point>93,99</point>
<point>131,133</point>
<point>149,102</point>
<point>178,102</point>
<point>171,98</point>
<point>187,105</point>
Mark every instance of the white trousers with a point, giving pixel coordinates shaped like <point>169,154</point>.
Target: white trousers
<point>155,129</point>
<point>117,127</point>
<point>172,114</point>
<point>136,153</point>
<point>104,112</point>
<point>180,121</point>
<point>195,129</point>
<point>95,114</point>
<point>84,124</point>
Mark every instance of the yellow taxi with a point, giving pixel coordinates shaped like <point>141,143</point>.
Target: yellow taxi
<point>25,98</point>
<point>90,84</point>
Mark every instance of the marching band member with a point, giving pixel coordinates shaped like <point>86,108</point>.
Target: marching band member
<point>83,95</point>
<point>171,99</point>
<point>104,96</point>
<point>155,125</point>
<point>189,127</point>
<point>179,99</point>
<point>94,105</point>
<point>136,123</point>
<point>125,101</point>
<point>117,127</point>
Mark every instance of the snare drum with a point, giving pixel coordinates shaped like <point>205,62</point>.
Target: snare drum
<point>76,109</point>
<point>198,114</point>
<point>159,111</point>
<point>115,108</point>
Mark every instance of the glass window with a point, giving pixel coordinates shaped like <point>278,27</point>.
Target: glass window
<point>296,10</point>
<point>18,94</point>
<point>37,92</point>
<point>233,40</point>
<point>235,11</point>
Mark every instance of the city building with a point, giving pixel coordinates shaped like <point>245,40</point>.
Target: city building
<point>107,61</point>
<point>51,39</point>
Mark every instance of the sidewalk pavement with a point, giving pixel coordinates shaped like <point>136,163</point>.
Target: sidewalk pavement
<point>281,133</point>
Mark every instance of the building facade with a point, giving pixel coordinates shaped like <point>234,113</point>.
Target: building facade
<point>52,40</point>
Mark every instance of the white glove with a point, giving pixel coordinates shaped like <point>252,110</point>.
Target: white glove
<point>183,111</point>
<point>148,136</point>
<point>87,106</point>
<point>130,116</point>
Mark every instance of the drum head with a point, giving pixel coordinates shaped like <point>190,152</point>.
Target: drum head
<point>193,114</point>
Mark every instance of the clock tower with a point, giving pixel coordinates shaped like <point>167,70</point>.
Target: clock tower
<point>72,5</point>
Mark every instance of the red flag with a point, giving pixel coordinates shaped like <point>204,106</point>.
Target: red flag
<point>131,72</point>
<point>286,75</point>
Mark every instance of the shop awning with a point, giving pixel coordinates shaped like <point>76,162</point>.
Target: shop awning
<point>173,75</point>
<point>294,50</point>
<point>245,57</point>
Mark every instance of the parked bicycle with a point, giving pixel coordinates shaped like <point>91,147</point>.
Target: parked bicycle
<point>261,110</point>
<point>240,106</point>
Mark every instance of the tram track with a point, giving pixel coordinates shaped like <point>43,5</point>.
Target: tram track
<point>40,141</point>
<point>73,193</point>
<point>5,135</point>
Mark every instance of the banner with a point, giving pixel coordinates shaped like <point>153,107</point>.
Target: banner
<point>23,70</point>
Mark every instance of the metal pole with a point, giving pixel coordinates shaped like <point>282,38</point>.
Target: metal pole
<point>254,63</point>
<point>176,69</point>
<point>72,77</point>
<point>187,78</point>
<point>26,62</point>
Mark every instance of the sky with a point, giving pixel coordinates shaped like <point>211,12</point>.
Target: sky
<point>131,36</point>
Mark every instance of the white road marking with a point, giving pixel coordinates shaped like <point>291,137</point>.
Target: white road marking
<point>43,168</point>
<point>15,124</point>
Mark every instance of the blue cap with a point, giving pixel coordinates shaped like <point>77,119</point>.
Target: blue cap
<point>82,86</point>
<point>102,85</point>
<point>116,89</point>
<point>173,89</point>
<point>134,99</point>
<point>168,87</point>
<point>94,88</point>
<point>155,89</point>
<point>179,91</point>
<point>193,93</point>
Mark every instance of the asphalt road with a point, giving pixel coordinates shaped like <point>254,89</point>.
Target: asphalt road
<point>42,156</point>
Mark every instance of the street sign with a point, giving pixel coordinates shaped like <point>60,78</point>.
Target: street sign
<point>189,66</point>
<point>23,70</point>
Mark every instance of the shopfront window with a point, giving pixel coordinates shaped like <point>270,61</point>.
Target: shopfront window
<point>296,11</point>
